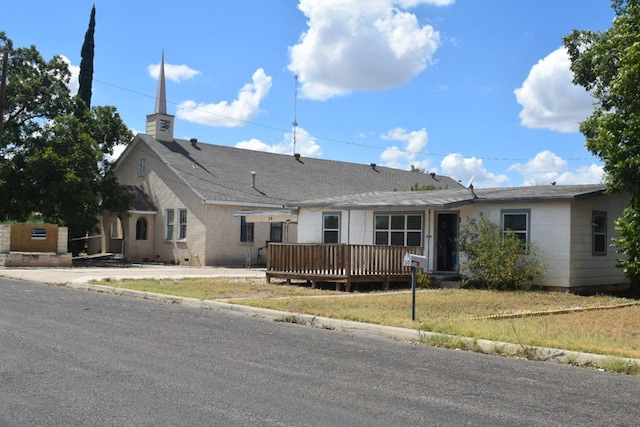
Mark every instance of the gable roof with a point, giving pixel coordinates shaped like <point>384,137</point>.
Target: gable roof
<point>140,201</point>
<point>220,174</point>
<point>453,197</point>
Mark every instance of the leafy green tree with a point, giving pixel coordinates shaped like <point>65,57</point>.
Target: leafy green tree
<point>36,92</point>
<point>608,64</point>
<point>52,162</point>
<point>495,260</point>
<point>416,169</point>
<point>85,78</point>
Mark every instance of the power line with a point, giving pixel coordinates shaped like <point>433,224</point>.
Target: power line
<point>323,138</point>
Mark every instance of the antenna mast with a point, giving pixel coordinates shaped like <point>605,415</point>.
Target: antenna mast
<point>295,112</point>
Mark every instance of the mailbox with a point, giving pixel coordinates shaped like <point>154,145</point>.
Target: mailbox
<point>411,260</point>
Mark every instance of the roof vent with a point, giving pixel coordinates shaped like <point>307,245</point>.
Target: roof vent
<point>297,156</point>
<point>253,179</point>
<point>373,166</point>
<point>433,174</point>
<point>193,141</point>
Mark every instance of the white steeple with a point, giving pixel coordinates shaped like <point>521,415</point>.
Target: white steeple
<point>161,96</point>
<point>160,124</point>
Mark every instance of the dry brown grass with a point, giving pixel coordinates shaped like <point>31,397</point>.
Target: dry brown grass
<point>613,332</point>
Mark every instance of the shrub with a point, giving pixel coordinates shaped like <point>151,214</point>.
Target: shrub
<point>497,261</point>
<point>423,280</point>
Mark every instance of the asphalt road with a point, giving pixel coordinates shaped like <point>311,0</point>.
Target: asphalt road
<point>78,358</point>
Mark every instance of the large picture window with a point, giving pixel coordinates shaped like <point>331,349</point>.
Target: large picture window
<point>398,229</point>
<point>599,221</point>
<point>331,227</point>
<point>517,221</point>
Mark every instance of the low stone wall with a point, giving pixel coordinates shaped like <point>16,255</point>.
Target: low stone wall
<point>34,245</point>
<point>35,259</point>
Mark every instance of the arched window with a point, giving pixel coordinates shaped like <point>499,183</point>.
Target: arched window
<point>141,229</point>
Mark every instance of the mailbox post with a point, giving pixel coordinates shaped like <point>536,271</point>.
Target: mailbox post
<point>415,262</point>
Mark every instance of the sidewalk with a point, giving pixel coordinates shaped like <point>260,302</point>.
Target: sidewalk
<point>61,276</point>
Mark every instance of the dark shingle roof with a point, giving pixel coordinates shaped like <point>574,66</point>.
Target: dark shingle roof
<point>140,202</point>
<point>224,174</point>
<point>452,197</point>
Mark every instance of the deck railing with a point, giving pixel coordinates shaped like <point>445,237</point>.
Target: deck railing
<point>338,259</point>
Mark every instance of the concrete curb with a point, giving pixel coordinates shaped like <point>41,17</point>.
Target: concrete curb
<point>370,330</point>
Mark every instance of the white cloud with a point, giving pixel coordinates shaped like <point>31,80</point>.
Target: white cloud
<point>176,73</point>
<point>306,145</point>
<point>225,114</point>
<point>354,45</point>
<point>117,151</point>
<point>547,167</point>
<point>413,143</point>
<point>73,84</point>
<point>412,3</point>
<point>470,170</point>
<point>549,98</point>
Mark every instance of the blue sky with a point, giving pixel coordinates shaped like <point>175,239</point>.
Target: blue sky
<point>474,89</point>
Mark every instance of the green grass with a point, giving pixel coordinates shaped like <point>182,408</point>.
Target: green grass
<point>612,332</point>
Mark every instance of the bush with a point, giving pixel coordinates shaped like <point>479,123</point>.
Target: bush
<point>497,261</point>
<point>423,280</point>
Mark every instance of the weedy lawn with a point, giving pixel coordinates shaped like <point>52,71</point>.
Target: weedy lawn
<point>595,324</point>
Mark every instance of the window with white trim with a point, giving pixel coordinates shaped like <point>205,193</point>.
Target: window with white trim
<point>518,222</point>
<point>398,229</point>
<point>599,223</point>
<point>170,218</point>
<point>182,232</point>
<point>141,166</point>
<point>331,227</point>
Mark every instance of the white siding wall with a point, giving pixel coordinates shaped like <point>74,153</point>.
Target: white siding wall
<point>561,230</point>
<point>550,225</point>
<point>356,227</point>
<point>309,226</point>
<point>361,231</point>
<point>588,269</point>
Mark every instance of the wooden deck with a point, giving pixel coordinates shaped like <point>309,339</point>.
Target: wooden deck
<point>339,264</point>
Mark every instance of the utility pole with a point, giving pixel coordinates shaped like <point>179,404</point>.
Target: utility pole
<point>3,89</point>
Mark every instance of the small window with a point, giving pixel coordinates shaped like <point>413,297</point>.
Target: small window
<point>246,230</point>
<point>275,232</point>
<point>517,222</point>
<point>331,228</point>
<point>141,166</point>
<point>599,223</point>
<point>141,229</point>
<point>182,233</point>
<point>170,219</point>
<point>398,230</point>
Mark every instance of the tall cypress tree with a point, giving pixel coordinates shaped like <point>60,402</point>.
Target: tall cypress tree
<point>85,78</point>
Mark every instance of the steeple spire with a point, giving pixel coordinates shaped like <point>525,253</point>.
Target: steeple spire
<point>160,124</point>
<point>161,96</point>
